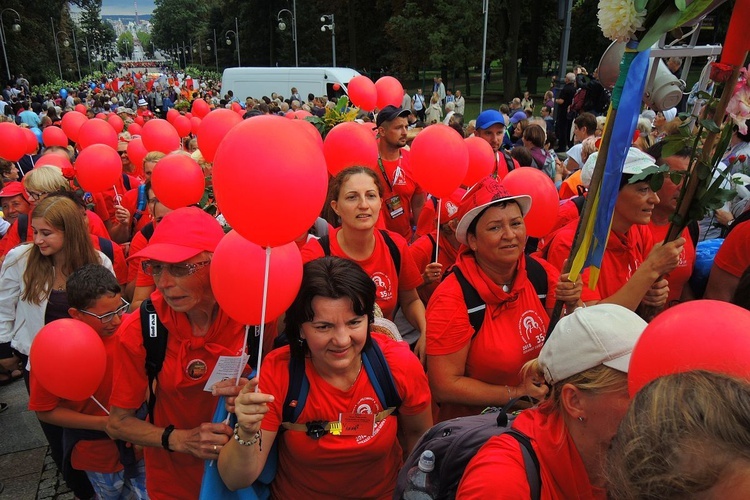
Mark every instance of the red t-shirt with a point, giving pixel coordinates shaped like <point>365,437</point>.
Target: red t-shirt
<point>680,275</point>
<point>423,253</point>
<point>501,165</point>
<point>137,244</point>
<point>399,188</point>
<point>624,254</point>
<point>119,264</point>
<point>96,225</point>
<point>561,469</point>
<point>341,466</point>
<point>734,254</point>
<point>181,400</point>
<point>379,266</point>
<point>130,201</point>
<point>98,455</point>
<point>513,331</point>
<point>108,196</point>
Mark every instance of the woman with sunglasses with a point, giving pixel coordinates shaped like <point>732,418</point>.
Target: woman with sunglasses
<point>33,290</point>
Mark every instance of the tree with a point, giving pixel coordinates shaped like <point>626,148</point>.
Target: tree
<point>145,40</point>
<point>175,21</point>
<point>125,44</point>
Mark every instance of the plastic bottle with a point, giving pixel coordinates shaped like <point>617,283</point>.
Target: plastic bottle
<point>421,485</point>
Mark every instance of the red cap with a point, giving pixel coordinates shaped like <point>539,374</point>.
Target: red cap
<point>449,206</point>
<point>14,189</point>
<point>487,192</point>
<point>181,235</point>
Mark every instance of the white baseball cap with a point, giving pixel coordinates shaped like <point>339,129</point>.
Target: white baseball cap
<point>635,163</point>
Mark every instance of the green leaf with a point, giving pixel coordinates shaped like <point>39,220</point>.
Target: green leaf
<point>640,5</point>
<point>672,147</point>
<point>683,116</point>
<point>647,172</point>
<point>667,21</point>
<point>680,4</point>
<point>656,182</point>
<point>711,126</point>
<point>704,171</point>
<point>695,9</point>
<point>702,94</point>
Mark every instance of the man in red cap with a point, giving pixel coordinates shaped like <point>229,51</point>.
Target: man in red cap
<point>14,201</point>
<point>179,435</point>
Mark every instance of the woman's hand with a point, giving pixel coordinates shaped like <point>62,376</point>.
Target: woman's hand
<point>569,291</point>
<point>532,385</point>
<point>122,215</point>
<point>657,295</point>
<point>432,273</point>
<point>230,390</point>
<point>251,407</point>
<point>664,258</point>
<point>724,217</point>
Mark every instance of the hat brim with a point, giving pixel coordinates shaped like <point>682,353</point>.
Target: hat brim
<point>167,252</point>
<point>401,114</point>
<point>490,123</point>
<point>524,201</point>
<point>620,364</point>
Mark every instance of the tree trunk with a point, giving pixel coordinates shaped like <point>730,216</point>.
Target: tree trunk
<point>468,81</point>
<point>511,87</point>
<point>353,26</point>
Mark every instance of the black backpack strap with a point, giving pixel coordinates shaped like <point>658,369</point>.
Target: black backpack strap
<point>325,243</point>
<point>380,376</point>
<point>508,159</point>
<point>475,306</point>
<point>126,181</point>
<point>393,249</point>
<point>433,255</point>
<point>23,227</point>
<point>107,249</point>
<point>530,460</point>
<point>578,201</point>
<point>148,231</point>
<point>296,394</point>
<point>155,342</point>
<point>538,277</point>
<point>695,232</point>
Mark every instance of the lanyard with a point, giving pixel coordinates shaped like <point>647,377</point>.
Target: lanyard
<point>385,175</point>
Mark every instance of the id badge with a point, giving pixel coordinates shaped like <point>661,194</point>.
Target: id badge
<point>395,207</point>
<point>357,424</point>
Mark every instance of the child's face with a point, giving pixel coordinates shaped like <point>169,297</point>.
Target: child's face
<point>106,305</point>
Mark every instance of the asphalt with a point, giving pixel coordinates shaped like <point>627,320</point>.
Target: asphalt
<point>26,469</point>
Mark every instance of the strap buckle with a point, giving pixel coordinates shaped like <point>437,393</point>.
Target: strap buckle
<point>316,429</point>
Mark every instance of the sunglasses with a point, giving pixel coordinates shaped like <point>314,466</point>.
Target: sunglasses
<point>155,268</point>
<point>108,317</point>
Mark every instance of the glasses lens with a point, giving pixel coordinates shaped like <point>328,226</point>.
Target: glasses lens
<point>107,318</point>
<point>180,270</point>
<point>151,268</point>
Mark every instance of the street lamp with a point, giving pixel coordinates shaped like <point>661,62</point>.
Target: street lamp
<point>282,26</point>
<point>216,52</point>
<point>236,32</point>
<point>332,27</point>
<point>486,12</point>
<point>84,49</point>
<point>16,27</point>
<point>57,45</point>
<point>75,46</point>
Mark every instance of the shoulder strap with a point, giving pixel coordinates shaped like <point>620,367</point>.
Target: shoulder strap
<point>393,249</point>
<point>508,159</point>
<point>126,181</point>
<point>578,201</point>
<point>538,277</point>
<point>433,255</point>
<point>296,394</point>
<point>106,246</point>
<point>148,231</point>
<point>325,243</point>
<point>23,227</point>
<point>155,342</point>
<point>475,306</point>
<point>531,462</point>
<point>380,375</point>
<point>695,232</point>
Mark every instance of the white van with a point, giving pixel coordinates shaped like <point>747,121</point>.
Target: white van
<point>259,82</point>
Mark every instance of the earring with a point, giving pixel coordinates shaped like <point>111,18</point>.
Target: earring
<point>580,419</point>
<point>301,341</point>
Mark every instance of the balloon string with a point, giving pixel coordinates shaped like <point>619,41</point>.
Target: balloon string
<point>263,313</point>
<point>437,237</point>
<point>100,405</point>
<point>117,196</point>
<point>33,163</point>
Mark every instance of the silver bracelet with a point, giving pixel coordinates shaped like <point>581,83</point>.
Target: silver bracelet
<point>250,442</point>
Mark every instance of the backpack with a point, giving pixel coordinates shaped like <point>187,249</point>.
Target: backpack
<point>325,242</point>
<point>476,307</point>
<point>104,244</point>
<point>577,105</point>
<point>456,441</point>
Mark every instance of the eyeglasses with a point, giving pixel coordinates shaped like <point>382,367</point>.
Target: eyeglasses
<point>122,153</point>
<point>37,196</point>
<point>155,268</point>
<point>108,317</point>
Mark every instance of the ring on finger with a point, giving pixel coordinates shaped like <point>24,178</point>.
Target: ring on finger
<point>215,448</point>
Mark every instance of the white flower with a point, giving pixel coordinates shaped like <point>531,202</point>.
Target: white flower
<point>619,20</point>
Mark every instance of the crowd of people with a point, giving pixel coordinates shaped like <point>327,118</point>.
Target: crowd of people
<point>473,304</point>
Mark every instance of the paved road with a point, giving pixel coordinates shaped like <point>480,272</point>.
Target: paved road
<point>25,468</point>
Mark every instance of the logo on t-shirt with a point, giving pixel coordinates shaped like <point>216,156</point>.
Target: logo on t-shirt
<point>368,406</point>
<point>532,331</point>
<point>399,179</point>
<point>384,288</point>
<point>451,208</point>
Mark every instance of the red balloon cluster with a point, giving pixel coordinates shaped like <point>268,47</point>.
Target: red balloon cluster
<point>54,136</point>
<point>212,130</point>
<point>481,160</point>
<point>71,347</point>
<point>134,129</point>
<point>98,168</point>
<point>362,93</point>
<point>72,121</point>
<point>439,160</point>
<point>182,125</point>
<point>160,135</point>
<point>239,289</point>
<point>116,122</point>
<point>96,131</point>
<point>195,123</point>
<point>172,114</point>
<point>390,92</point>
<point>349,144</point>
<point>270,179</point>
<point>178,181</point>
<point>13,144</point>
<point>545,201</point>
<point>200,108</point>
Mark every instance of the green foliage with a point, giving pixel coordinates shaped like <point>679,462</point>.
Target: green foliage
<point>340,113</point>
<point>125,44</point>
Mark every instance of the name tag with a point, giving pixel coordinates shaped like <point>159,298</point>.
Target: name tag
<point>357,424</point>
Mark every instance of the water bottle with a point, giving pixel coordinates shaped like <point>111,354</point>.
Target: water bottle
<point>421,486</point>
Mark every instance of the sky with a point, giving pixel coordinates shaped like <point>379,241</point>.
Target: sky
<point>125,7</point>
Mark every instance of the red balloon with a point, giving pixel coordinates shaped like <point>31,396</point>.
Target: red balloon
<point>301,114</point>
<point>212,130</point>
<point>200,108</point>
<point>362,93</point>
<point>71,347</point>
<point>137,151</point>
<point>96,131</point>
<point>189,115</point>
<point>116,122</point>
<point>311,130</point>
<point>160,135</point>
<point>195,123</point>
<point>706,335</point>
<point>72,121</point>
<point>172,114</point>
<point>481,160</point>
<point>13,143</point>
<point>544,198</point>
<point>98,167</point>
<point>178,181</point>
<point>80,108</point>
<point>270,180</point>
<point>30,140</point>
<point>390,92</point>
<point>439,160</point>
<point>289,114</point>
<point>54,160</point>
<point>336,86</point>
<point>101,116</point>
<point>239,289</point>
<point>135,129</point>
<point>182,125</point>
<point>349,144</point>
<point>54,136</point>
<point>139,120</point>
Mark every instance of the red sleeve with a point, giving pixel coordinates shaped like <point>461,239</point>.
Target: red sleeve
<point>553,276</point>
<point>96,225</point>
<point>101,206</point>
<point>559,250</point>
<point>11,239</point>
<point>312,250</point>
<point>499,457</point>
<point>421,252</point>
<point>120,265</point>
<point>409,276</point>
<point>408,374</point>
<point>129,380</point>
<point>138,243</point>
<point>274,379</point>
<point>142,279</point>
<point>427,218</point>
<point>40,399</point>
<point>734,254</point>
<point>448,327</point>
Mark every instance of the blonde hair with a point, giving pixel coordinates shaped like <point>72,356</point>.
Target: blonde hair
<point>588,146</point>
<point>46,179</point>
<point>153,157</point>
<point>682,434</point>
<point>64,215</point>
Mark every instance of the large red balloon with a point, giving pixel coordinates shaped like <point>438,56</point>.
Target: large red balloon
<point>545,201</point>
<point>270,180</point>
<point>160,135</point>
<point>390,92</point>
<point>481,160</point>
<point>101,116</point>
<point>54,136</point>
<point>182,125</point>
<point>311,130</point>
<point>301,114</point>
<point>97,168</point>
<point>32,143</point>
<point>80,108</point>
<point>72,121</point>
<point>239,289</point>
<point>172,114</point>
<point>54,160</point>
<point>134,129</point>
<point>73,348</point>
<point>116,122</point>
<point>12,141</point>
<point>178,181</point>
<point>137,151</point>
<point>439,160</point>
<point>96,131</point>
<point>349,144</point>
<point>362,93</point>
<point>699,335</point>
<point>195,123</point>
<point>212,130</point>
<point>200,108</point>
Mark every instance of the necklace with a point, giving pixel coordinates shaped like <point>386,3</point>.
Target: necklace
<point>358,372</point>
